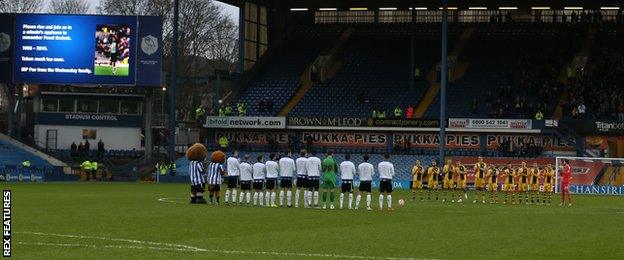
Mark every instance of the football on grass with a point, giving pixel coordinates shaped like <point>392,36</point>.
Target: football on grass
<point>401,202</point>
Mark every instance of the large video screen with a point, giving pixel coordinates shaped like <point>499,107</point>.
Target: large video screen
<point>75,49</point>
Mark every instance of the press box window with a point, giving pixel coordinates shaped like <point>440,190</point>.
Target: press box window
<point>87,106</point>
<point>130,107</point>
<point>50,105</point>
<point>66,105</point>
<point>109,107</point>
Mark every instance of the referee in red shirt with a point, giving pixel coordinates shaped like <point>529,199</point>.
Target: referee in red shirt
<point>566,175</point>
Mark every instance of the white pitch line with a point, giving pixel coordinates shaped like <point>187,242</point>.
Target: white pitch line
<point>170,200</point>
<point>185,248</point>
<point>188,248</point>
<point>104,246</point>
<point>239,252</point>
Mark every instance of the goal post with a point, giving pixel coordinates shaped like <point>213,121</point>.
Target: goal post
<point>592,175</point>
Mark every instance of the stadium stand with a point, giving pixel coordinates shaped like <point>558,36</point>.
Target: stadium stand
<point>514,71</point>
<point>596,92</point>
<point>13,155</point>
<point>375,73</point>
<point>525,66</point>
<point>374,61</point>
<point>280,79</point>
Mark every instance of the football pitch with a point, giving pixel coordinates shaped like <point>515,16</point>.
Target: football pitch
<point>149,221</point>
<point>108,71</point>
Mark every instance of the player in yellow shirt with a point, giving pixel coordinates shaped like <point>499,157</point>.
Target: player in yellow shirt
<point>417,176</point>
<point>534,176</point>
<point>549,179</point>
<point>449,171</point>
<point>432,185</point>
<point>492,180</point>
<point>480,169</point>
<point>523,183</point>
<point>507,173</point>
<point>460,170</point>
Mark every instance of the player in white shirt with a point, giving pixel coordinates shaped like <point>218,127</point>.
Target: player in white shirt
<point>259,170</point>
<point>287,170</point>
<point>233,170</point>
<point>272,171</point>
<point>366,172</point>
<point>386,172</point>
<point>347,170</point>
<point>302,177</point>
<point>313,168</point>
<point>246,173</point>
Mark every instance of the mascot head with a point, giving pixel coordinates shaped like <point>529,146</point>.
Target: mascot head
<point>196,152</point>
<point>217,157</point>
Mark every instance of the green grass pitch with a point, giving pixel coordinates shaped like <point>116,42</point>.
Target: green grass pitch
<point>108,71</point>
<point>127,221</point>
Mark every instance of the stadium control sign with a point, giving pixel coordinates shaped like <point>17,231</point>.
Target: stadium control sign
<point>479,123</point>
<point>356,122</point>
<point>87,119</point>
<point>245,122</point>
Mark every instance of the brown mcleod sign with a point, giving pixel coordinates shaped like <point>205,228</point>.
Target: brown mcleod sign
<point>326,121</point>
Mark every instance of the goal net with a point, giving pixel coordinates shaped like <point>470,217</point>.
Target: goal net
<point>593,175</point>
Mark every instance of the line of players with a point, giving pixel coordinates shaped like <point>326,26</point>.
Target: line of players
<point>309,175</point>
<point>521,182</point>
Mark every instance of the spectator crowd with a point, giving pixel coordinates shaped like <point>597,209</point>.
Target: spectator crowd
<point>597,92</point>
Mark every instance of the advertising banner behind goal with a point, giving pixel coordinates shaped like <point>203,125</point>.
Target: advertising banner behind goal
<point>594,175</point>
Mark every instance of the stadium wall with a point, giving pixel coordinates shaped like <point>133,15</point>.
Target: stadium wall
<point>122,138</point>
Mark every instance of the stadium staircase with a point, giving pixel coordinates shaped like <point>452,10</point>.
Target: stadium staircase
<point>585,51</point>
<point>458,73</point>
<point>13,152</point>
<point>306,82</point>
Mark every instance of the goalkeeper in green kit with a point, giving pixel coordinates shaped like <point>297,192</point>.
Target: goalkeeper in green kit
<point>329,167</point>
